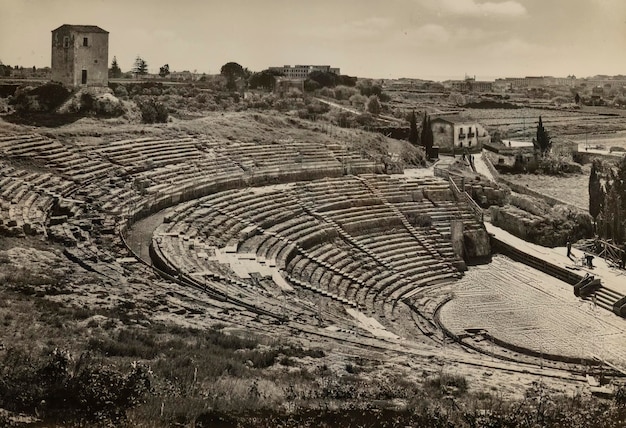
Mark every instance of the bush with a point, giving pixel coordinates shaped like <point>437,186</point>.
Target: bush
<point>41,99</point>
<point>120,91</point>
<point>447,384</point>
<point>345,92</point>
<point>358,101</point>
<point>373,105</point>
<point>617,149</point>
<point>152,111</point>
<point>60,389</point>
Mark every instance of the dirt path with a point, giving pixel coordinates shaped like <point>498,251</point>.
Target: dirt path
<point>140,235</point>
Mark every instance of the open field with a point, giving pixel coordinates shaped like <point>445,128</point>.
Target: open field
<point>571,188</point>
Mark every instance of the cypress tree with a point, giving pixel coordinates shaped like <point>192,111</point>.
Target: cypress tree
<point>413,135</point>
<point>426,136</point>
<point>428,143</point>
<point>596,194</point>
<point>542,143</point>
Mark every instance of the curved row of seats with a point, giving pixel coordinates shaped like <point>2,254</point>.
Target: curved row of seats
<point>26,198</point>
<point>70,162</point>
<point>332,236</point>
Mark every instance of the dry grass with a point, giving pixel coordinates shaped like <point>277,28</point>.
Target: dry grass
<point>571,188</point>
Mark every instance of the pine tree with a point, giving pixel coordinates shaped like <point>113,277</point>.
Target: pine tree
<point>115,71</point>
<point>413,135</point>
<point>596,193</point>
<point>141,66</point>
<point>542,143</point>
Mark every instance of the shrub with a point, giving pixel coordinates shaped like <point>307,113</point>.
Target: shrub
<point>617,149</point>
<point>447,384</point>
<point>152,111</point>
<point>129,343</point>
<point>357,100</point>
<point>60,389</point>
<point>121,92</point>
<point>373,105</point>
<point>345,92</point>
<point>44,98</point>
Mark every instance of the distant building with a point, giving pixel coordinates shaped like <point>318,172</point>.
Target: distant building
<point>303,71</point>
<point>184,75</point>
<point>80,55</point>
<point>470,84</point>
<point>512,83</point>
<point>455,132</point>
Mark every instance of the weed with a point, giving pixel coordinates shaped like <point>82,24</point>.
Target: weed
<point>63,390</point>
<point>447,384</point>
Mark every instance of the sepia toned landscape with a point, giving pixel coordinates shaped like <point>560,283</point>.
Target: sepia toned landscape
<point>289,246</point>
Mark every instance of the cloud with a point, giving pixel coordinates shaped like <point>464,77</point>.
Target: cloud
<point>509,8</point>
<point>364,29</point>
<point>432,33</point>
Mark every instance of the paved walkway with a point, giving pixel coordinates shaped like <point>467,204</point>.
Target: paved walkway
<point>612,278</point>
<point>481,166</point>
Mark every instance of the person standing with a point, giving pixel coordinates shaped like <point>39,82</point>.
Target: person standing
<point>569,249</point>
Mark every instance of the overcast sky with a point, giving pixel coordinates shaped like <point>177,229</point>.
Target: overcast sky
<point>435,39</point>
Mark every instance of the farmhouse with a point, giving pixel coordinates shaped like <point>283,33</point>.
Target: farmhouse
<point>455,132</point>
<point>80,55</point>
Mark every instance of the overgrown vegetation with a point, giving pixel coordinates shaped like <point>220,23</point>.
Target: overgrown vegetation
<point>61,389</point>
<point>40,99</point>
<point>152,111</point>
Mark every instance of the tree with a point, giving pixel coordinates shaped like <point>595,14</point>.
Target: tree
<point>232,70</point>
<point>428,144</point>
<point>357,100</point>
<point>264,79</point>
<point>542,143</point>
<point>426,136</point>
<point>164,71</point>
<point>325,79</point>
<point>373,105</point>
<point>115,71</point>
<point>141,66</point>
<point>596,193</point>
<point>413,135</point>
<point>5,70</point>
<point>612,219</point>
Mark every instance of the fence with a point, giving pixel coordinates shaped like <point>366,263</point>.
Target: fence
<point>458,194</point>
<point>463,195</point>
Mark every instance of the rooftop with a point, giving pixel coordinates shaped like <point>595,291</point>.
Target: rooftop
<point>454,119</point>
<point>82,28</point>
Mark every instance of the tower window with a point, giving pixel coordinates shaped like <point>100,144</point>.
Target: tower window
<point>85,41</point>
<point>66,42</point>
